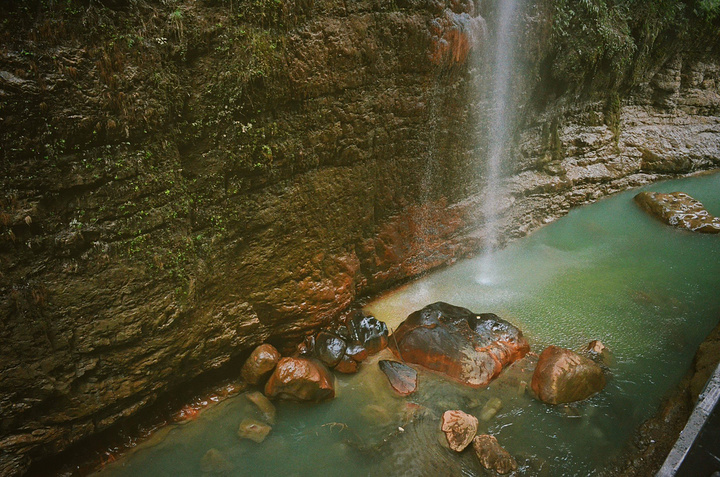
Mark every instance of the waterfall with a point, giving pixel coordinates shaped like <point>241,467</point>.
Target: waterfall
<point>500,57</point>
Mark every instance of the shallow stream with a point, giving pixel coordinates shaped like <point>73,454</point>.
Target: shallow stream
<point>608,271</point>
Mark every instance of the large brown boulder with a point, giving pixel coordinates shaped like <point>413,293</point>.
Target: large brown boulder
<point>679,210</point>
<point>561,375</point>
<point>300,379</point>
<point>459,429</point>
<point>261,362</point>
<point>471,348</point>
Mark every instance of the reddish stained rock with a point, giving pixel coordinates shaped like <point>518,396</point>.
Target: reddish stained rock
<point>402,377</point>
<point>562,375</point>
<point>260,363</point>
<point>492,456</point>
<point>300,379</point>
<point>459,429</point>
<point>453,36</point>
<point>347,365</point>
<point>463,345</point>
<point>679,210</point>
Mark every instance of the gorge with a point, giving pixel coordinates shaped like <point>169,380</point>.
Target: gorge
<point>183,181</point>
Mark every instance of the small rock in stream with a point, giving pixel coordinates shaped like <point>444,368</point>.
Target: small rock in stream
<point>402,377</point>
<point>329,348</point>
<point>261,362</point>
<point>213,462</point>
<point>301,379</point>
<point>561,376</point>
<point>459,429</point>
<point>264,405</point>
<point>492,456</point>
<point>254,430</point>
<point>347,365</point>
<point>490,409</point>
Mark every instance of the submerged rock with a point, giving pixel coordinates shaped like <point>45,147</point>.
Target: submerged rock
<point>368,332</point>
<point>599,353</point>
<point>213,462</point>
<point>490,409</point>
<point>402,377</point>
<point>562,375</point>
<point>679,210</point>
<point>492,456</point>
<point>461,344</point>
<point>254,430</point>
<point>264,405</point>
<point>329,348</point>
<point>300,379</point>
<point>459,429</point>
<point>261,362</point>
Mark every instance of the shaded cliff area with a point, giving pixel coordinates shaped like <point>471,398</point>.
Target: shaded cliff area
<point>182,180</point>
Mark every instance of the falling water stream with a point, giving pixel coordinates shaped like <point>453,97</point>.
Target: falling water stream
<point>500,120</point>
<point>606,271</point>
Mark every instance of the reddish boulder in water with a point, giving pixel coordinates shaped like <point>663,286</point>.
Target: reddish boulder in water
<point>561,376</point>
<point>261,362</point>
<point>459,429</point>
<point>402,377</point>
<point>347,365</point>
<point>300,379</point>
<point>463,345</point>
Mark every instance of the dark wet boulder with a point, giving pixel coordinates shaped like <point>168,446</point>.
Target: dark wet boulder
<point>679,210</point>
<point>347,365</point>
<point>357,352</point>
<point>561,376</point>
<point>329,348</point>
<point>492,456</point>
<point>471,348</point>
<point>402,377</point>
<point>368,331</point>
<point>301,379</point>
<point>261,362</point>
<point>459,429</point>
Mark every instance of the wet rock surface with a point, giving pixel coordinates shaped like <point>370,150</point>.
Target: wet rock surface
<point>260,364</point>
<point>463,345</point>
<point>300,379</point>
<point>459,429</point>
<point>563,376</point>
<point>368,332</point>
<point>329,348</point>
<point>492,456</point>
<point>402,377</point>
<point>679,210</point>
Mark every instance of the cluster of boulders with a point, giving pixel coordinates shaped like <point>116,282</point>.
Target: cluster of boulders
<point>306,375</point>
<point>460,430</point>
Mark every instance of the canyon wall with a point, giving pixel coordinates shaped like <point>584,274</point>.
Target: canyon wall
<point>184,180</point>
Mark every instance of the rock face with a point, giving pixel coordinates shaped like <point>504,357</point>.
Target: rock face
<point>492,456</point>
<point>679,210</point>
<point>459,429</point>
<point>463,345</point>
<point>561,376</point>
<point>170,202</point>
<point>402,377</point>
<point>300,379</point>
<point>261,362</point>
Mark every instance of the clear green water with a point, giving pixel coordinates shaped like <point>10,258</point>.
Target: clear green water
<point>607,271</point>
